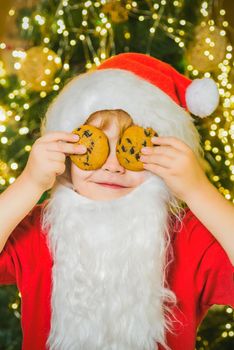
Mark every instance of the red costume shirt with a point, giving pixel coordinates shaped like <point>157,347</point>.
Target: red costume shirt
<point>201,275</point>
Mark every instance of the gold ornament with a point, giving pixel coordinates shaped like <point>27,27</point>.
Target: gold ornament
<point>117,12</point>
<point>208,48</point>
<point>39,67</point>
<point>10,34</point>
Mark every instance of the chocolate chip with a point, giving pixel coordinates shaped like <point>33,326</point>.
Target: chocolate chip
<point>129,141</point>
<point>147,133</point>
<point>137,156</point>
<point>87,133</point>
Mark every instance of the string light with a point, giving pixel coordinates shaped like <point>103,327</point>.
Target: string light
<point>25,24</point>
<point>39,19</point>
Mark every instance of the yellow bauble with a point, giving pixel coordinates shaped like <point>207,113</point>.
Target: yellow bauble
<point>207,50</point>
<point>39,67</point>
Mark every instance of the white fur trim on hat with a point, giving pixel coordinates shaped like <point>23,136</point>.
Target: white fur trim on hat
<point>202,97</point>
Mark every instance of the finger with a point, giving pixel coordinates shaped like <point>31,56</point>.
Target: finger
<point>162,160</point>
<point>59,135</point>
<point>58,167</point>
<point>57,156</point>
<point>164,150</point>
<point>168,151</point>
<point>55,167</point>
<point>156,169</point>
<point>66,148</point>
<point>169,140</point>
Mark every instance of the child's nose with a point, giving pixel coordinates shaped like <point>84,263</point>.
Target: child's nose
<point>112,163</point>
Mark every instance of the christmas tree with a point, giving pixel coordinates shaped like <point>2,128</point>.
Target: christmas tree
<point>51,41</point>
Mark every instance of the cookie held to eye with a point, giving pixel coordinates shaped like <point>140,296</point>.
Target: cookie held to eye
<point>128,149</point>
<point>97,148</point>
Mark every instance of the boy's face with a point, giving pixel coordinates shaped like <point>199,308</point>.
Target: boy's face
<point>88,182</point>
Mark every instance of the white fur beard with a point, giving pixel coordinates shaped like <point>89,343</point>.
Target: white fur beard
<point>107,277</point>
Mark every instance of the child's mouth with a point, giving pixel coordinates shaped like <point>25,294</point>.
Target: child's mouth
<point>110,185</point>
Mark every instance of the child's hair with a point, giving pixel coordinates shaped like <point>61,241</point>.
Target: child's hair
<point>105,117</point>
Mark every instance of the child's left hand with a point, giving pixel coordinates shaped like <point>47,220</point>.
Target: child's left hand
<point>177,164</point>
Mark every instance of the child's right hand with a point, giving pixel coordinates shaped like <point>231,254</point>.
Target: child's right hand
<point>47,158</point>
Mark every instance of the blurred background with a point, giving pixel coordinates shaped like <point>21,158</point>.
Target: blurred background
<point>43,43</point>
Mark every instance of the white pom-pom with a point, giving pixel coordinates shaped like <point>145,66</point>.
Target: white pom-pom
<point>202,97</point>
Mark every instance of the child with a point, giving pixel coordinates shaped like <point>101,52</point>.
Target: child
<point>107,267</point>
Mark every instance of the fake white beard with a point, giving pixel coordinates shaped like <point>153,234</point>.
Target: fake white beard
<point>107,279</point>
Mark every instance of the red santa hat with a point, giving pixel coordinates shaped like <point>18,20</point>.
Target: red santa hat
<point>152,92</point>
<point>200,96</point>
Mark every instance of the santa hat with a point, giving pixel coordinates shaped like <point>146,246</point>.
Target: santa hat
<point>200,96</point>
<point>151,91</point>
